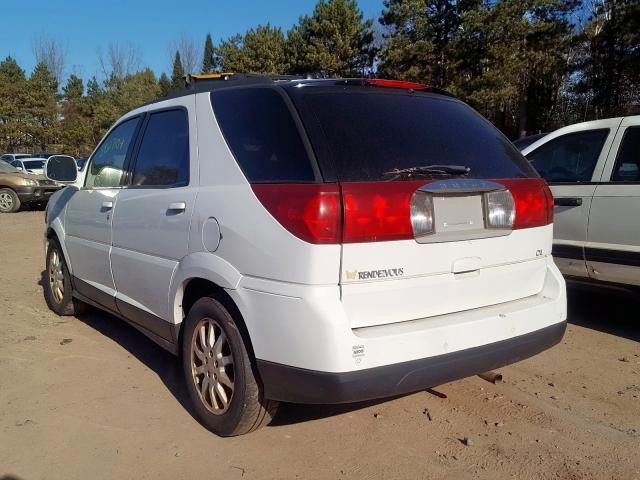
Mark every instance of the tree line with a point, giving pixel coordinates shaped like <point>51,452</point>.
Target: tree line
<point>527,65</point>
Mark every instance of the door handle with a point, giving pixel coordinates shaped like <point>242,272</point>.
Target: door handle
<point>107,205</point>
<point>177,207</point>
<point>567,201</point>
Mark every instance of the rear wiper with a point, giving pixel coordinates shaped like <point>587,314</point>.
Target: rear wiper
<point>431,171</point>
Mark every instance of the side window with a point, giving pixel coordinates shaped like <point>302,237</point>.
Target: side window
<point>163,158</point>
<point>570,158</point>
<point>262,135</point>
<point>16,163</point>
<point>107,164</point>
<point>627,167</point>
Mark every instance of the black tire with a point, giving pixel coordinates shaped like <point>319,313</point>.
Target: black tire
<point>9,201</point>
<point>65,304</point>
<point>247,408</point>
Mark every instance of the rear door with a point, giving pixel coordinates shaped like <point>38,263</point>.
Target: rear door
<point>151,220</point>
<point>613,239</point>
<point>366,139</point>
<point>572,163</point>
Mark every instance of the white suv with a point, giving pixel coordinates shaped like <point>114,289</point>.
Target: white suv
<point>310,241</point>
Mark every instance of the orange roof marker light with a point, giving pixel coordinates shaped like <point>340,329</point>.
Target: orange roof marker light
<point>189,77</point>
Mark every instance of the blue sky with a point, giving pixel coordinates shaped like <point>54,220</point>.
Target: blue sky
<point>85,27</point>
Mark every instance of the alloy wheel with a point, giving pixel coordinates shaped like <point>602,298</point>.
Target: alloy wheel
<point>6,201</point>
<point>212,366</point>
<point>56,276</point>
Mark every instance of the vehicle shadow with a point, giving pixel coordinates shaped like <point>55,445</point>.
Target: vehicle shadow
<point>612,312</point>
<point>169,370</point>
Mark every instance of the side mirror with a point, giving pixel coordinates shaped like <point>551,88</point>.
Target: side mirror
<point>61,168</point>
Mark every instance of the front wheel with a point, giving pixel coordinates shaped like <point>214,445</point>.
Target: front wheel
<point>57,283</point>
<point>223,388</point>
<point>9,201</point>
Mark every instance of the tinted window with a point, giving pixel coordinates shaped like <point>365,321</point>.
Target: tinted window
<point>163,158</point>
<point>362,133</point>
<point>17,164</point>
<point>570,158</point>
<point>107,164</point>
<point>262,135</point>
<point>6,158</point>
<point>627,167</point>
<point>31,164</point>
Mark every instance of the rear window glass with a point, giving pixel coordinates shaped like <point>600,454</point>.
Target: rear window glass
<point>361,134</point>
<point>261,133</point>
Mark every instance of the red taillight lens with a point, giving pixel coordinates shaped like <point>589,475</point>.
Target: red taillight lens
<point>533,200</point>
<point>311,212</point>
<point>382,82</point>
<point>378,211</point>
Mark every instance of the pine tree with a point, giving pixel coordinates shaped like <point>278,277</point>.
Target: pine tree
<point>209,60</point>
<point>74,88</point>
<point>422,41</point>
<point>333,41</point>
<point>177,75</point>
<point>610,58</point>
<point>260,50</point>
<point>10,70</point>
<point>165,84</point>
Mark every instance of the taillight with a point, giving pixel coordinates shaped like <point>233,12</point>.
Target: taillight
<point>312,212</point>
<point>381,211</point>
<point>533,202</point>
<point>378,211</point>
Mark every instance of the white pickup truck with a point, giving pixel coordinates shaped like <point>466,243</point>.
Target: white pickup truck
<point>593,169</point>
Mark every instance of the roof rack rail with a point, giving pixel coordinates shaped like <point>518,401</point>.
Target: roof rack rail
<point>209,81</point>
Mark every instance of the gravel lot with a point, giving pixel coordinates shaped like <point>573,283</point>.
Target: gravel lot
<point>91,397</point>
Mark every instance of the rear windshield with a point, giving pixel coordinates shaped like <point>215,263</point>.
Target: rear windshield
<point>363,133</point>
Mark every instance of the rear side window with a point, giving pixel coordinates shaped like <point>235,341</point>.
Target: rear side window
<point>163,157</point>
<point>363,133</point>
<point>627,167</point>
<point>569,158</point>
<point>263,136</point>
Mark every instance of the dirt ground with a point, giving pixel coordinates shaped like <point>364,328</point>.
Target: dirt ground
<point>90,397</point>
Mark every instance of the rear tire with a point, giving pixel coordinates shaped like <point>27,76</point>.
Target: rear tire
<point>9,201</point>
<point>223,387</point>
<point>58,292</point>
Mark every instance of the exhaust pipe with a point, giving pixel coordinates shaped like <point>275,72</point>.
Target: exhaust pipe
<point>491,377</point>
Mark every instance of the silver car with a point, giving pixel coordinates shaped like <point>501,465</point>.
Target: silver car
<point>593,169</point>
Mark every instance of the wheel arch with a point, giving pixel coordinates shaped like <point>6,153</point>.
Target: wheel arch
<point>199,275</point>
<point>55,231</point>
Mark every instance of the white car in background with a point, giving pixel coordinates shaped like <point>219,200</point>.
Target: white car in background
<point>593,169</point>
<point>10,157</point>
<point>30,165</point>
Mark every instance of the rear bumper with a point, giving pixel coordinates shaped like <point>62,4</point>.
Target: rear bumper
<point>307,350</point>
<point>291,384</point>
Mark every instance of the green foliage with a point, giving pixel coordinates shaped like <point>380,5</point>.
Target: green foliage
<point>521,63</point>
<point>177,75</point>
<point>610,58</point>
<point>209,56</point>
<point>259,50</point>
<point>74,88</point>
<point>165,85</point>
<point>333,41</point>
